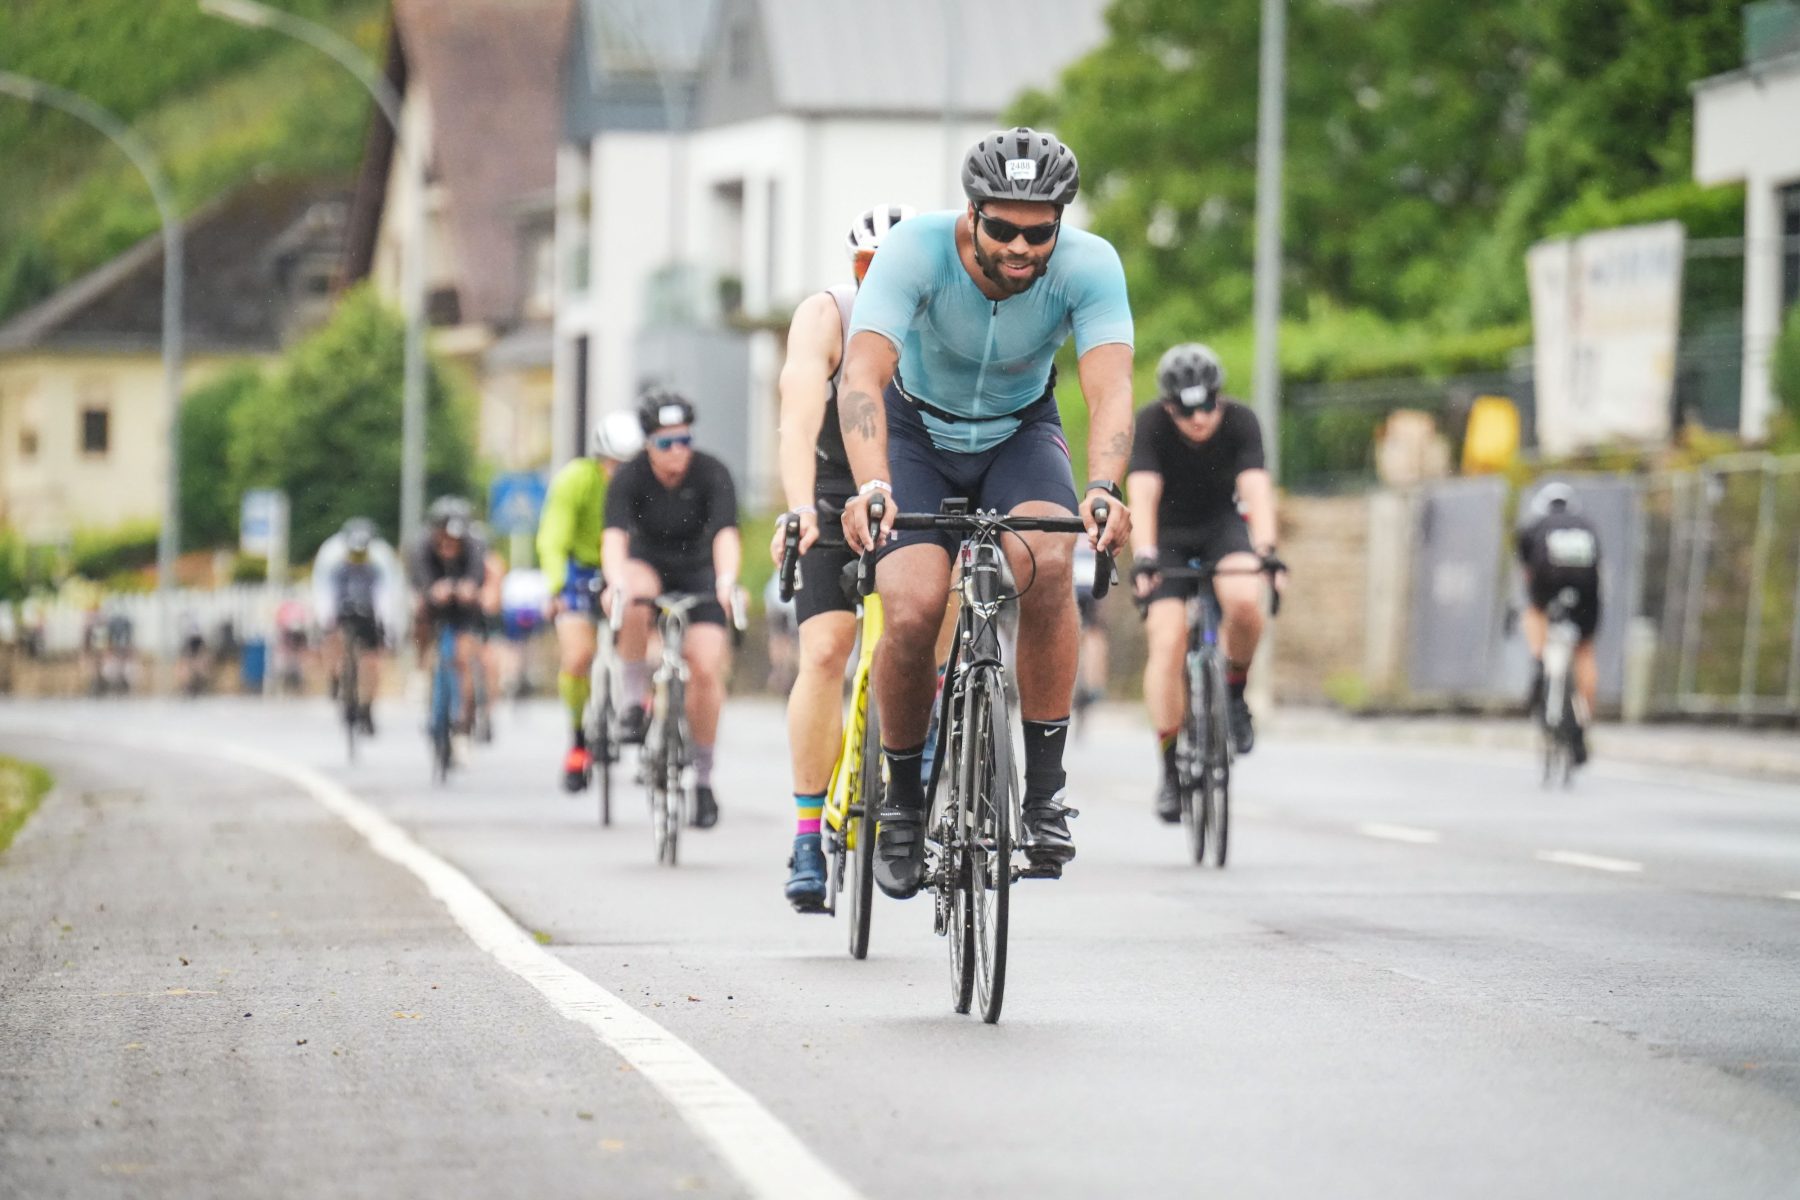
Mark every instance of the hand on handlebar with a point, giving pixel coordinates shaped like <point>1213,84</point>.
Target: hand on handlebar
<point>809,533</point>
<point>857,532</point>
<point>1144,575</point>
<point>1113,537</point>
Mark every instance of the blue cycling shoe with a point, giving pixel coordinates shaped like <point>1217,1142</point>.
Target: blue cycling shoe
<point>806,886</point>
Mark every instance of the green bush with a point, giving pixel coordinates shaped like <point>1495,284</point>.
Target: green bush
<point>103,553</point>
<point>1784,368</point>
<point>326,429</point>
<point>209,500</point>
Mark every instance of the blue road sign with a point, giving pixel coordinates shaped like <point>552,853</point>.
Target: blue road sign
<point>515,500</point>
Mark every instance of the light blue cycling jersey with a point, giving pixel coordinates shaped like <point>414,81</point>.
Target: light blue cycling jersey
<point>975,357</point>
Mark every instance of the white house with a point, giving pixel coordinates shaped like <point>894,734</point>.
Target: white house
<point>1747,130</point>
<point>797,115</point>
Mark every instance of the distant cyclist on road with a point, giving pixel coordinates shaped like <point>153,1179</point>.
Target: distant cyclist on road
<point>671,526</point>
<point>1200,489</point>
<point>357,593</point>
<point>446,566</point>
<point>949,391</point>
<point>1559,548</point>
<point>569,538</point>
<point>815,472</point>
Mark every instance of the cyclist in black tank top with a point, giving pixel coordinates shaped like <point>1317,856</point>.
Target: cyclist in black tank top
<point>815,472</point>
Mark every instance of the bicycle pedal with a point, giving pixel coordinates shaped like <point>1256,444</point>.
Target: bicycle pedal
<point>1038,871</point>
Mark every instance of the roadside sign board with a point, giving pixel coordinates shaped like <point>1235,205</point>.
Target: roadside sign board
<point>262,522</point>
<point>514,502</point>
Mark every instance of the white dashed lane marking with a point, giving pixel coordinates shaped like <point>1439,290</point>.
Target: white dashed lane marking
<point>1593,862</point>
<point>1399,833</point>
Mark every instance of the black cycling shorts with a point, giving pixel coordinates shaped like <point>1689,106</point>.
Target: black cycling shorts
<point>362,629</point>
<point>1031,464</point>
<point>1209,542</point>
<point>687,578</point>
<point>1586,613</point>
<point>821,574</point>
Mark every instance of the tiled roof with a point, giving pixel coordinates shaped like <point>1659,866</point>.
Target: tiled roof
<point>236,296</point>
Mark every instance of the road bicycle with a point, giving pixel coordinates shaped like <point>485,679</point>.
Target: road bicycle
<point>847,821</point>
<point>1558,714</point>
<point>974,787</point>
<point>665,763</point>
<point>1203,747</point>
<point>600,719</point>
<point>356,630</point>
<point>446,702</point>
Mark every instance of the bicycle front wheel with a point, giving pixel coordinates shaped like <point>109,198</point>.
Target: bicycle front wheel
<point>861,831</point>
<point>347,695</point>
<point>602,751</point>
<point>1191,761</point>
<point>1216,766</point>
<point>992,795</point>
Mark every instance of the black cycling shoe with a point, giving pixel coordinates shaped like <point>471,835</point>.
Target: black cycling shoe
<point>900,850</point>
<point>365,717</point>
<point>1578,747</point>
<point>1243,729</point>
<point>1048,843</point>
<point>806,885</point>
<point>634,723</point>
<point>706,808</point>
<point>1168,800</point>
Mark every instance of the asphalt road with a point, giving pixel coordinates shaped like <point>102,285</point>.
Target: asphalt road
<point>1421,976</point>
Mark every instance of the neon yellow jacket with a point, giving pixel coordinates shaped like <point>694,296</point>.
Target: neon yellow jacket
<point>571,524</point>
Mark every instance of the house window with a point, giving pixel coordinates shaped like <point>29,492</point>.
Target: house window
<point>96,432</point>
<point>1788,206</point>
<point>28,444</point>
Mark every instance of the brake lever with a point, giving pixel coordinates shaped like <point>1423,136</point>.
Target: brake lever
<point>1106,570</point>
<point>865,566</point>
<point>790,558</point>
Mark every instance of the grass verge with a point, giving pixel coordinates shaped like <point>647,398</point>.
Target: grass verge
<point>22,786</point>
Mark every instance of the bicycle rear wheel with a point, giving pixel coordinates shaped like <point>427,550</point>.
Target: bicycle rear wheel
<point>992,792</point>
<point>860,830</point>
<point>602,751</point>
<point>347,695</point>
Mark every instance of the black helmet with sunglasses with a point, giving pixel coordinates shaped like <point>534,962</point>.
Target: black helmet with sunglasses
<point>1190,376</point>
<point>660,408</point>
<point>1021,164</point>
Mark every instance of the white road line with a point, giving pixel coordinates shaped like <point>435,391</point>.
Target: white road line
<point>764,1153</point>
<point>1595,862</point>
<point>1790,895</point>
<point>1399,833</point>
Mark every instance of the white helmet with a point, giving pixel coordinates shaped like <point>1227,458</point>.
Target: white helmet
<point>616,435</point>
<point>1552,497</point>
<point>867,230</point>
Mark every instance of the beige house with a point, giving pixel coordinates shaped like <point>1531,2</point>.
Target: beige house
<point>83,415</point>
<point>478,81</point>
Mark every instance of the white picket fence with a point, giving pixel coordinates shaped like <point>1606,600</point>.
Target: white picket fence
<point>156,625</point>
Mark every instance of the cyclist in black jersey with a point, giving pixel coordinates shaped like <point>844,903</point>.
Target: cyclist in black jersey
<point>815,472</point>
<point>1559,548</point>
<point>1200,489</point>
<point>446,565</point>
<point>671,525</point>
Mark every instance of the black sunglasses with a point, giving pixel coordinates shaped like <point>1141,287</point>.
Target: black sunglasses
<point>1005,231</point>
<point>1178,409</point>
<point>669,441</point>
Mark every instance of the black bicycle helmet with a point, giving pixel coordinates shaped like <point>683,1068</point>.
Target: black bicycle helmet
<point>659,408</point>
<point>1191,376</point>
<point>1020,164</point>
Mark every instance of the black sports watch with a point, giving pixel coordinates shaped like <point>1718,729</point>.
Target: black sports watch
<point>1107,486</point>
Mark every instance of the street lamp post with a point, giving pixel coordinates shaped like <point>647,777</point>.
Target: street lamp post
<point>1270,115</point>
<point>256,15</point>
<point>168,543</point>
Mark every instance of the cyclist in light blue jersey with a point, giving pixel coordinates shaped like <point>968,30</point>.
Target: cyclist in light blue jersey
<point>949,391</point>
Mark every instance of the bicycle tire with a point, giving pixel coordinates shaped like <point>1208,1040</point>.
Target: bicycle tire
<point>601,755</point>
<point>347,693</point>
<point>960,929</point>
<point>862,830</point>
<point>991,796</point>
<point>1218,764</point>
<point>1191,759</point>
<point>443,688</point>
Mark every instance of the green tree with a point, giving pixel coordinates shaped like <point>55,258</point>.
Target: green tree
<point>209,499</point>
<point>1784,372</point>
<point>327,428</point>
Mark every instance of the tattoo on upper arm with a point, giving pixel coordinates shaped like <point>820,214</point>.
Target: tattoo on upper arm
<point>857,414</point>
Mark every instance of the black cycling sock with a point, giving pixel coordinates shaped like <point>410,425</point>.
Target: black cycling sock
<point>906,786</point>
<point>1168,757</point>
<point>1236,676</point>
<point>580,738</point>
<point>1044,740</point>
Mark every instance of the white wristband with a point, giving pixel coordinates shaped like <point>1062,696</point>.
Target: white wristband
<point>875,485</point>
<point>805,510</point>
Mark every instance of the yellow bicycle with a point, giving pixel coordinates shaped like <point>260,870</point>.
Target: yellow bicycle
<point>847,822</point>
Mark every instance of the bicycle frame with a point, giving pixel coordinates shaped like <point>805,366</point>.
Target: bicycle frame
<point>845,787</point>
